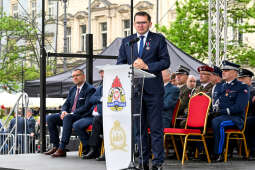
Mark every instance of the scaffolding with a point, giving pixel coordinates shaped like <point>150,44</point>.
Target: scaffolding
<point>217,33</point>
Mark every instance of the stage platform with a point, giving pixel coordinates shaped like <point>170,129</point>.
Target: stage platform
<point>73,162</point>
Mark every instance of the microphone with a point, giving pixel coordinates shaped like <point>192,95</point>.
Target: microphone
<point>132,41</point>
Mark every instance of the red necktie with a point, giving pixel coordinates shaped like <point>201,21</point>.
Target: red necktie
<point>95,109</point>
<point>76,99</point>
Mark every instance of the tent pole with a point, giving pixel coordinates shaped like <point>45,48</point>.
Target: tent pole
<point>43,86</point>
<point>89,59</point>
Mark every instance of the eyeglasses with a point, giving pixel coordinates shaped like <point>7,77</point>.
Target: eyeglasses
<point>141,23</point>
<point>76,75</point>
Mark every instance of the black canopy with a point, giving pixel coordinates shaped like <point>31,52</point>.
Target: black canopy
<point>58,85</point>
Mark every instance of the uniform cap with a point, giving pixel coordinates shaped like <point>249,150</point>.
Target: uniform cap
<point>217,71</point>
<point>245,73</point>
<point>205,68</point>
<point>182,70</point>
<point>227,65</point>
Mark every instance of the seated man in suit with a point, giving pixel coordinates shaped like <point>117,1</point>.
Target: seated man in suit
<point>93,142</point>
<point>80,126</point>
<point>75,107</point>
<point>170,98</point>
<point>230,99</point>
<point>245,76</point>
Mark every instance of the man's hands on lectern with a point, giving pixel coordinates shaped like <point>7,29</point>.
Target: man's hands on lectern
<point>63,115</point>
<point>140,64</point>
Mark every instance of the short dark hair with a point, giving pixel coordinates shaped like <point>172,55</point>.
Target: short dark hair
<point>79,70</point>
<point>142,13</point>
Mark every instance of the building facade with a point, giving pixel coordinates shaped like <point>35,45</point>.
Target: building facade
<point>109,19</point>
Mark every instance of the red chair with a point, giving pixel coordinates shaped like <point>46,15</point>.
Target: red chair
<point>175,113</point>
<point>196,123</point>
<point>236,134</point>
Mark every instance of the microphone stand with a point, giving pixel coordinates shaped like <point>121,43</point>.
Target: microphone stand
<point>132,162</point>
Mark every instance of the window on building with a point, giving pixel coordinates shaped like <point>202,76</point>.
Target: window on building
<point>33,9</point>
<point>68,41</point>
<point>104,34</point>
<point>83,37</point>
<point>15,12</point>
<point>51,8</point>
<point>126,27</point>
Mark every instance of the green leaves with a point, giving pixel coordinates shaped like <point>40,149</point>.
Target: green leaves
<point>20,53</point>
<point>190,29</point>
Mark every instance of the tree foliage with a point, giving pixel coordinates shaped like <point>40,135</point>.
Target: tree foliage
<point>20,56</point>
<point>190,29</point>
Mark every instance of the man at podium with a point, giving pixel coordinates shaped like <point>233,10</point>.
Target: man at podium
<point>150,54</point>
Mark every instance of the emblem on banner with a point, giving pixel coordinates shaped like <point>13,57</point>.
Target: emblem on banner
<point>117,137</point>
<point>116,98</point>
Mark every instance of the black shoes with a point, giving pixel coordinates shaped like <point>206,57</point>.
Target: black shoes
<point>101,158</point>
<point>143,167</point>
<point>84,152</point>
<point>157,167</point>
<point>91,154</point>
<point>218,158</point>
<point>252,156</point>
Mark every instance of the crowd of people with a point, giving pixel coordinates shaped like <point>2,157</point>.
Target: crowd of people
<point>229,88</point>
<point>25,128</point>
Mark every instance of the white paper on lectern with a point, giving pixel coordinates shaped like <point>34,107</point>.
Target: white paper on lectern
<point>117,124</point>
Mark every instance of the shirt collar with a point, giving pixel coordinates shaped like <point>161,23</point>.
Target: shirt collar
<point>204,84</point>
<point>165,84</point>
<point>180,86</point>
<point>229,82</point>
<point>80,86</point>
<point>145,35</point>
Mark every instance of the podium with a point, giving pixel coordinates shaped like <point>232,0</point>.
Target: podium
<point>117,114</point>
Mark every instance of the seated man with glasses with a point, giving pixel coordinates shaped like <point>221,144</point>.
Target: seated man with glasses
<point>75,107</point>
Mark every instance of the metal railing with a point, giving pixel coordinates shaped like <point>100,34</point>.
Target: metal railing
<point>10,140</point>
<point>25,143</point>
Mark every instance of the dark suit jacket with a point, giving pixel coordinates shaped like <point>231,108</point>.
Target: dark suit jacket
<point>156,57</point>
<point>232,98</point>
<point>170,98</point>
<point>251,104</point>
<point>95,99</point>
<point>31,125</point>
<point>82,107</point>
<point>20,125</point>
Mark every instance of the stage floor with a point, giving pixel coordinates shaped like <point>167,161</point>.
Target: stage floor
<point>72,162</point>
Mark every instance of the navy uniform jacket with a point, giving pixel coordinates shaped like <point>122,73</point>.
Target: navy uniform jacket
<point>231,100</point>
<point>170,98</point>
<point>95,99</point>
<point>31,125</point>
<point>20,125</point>
<point>82,106</point>
<point>155,56</point>
<point>251,111</point>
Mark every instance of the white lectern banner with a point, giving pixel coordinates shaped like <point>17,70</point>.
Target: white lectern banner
<point>117,116</point>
